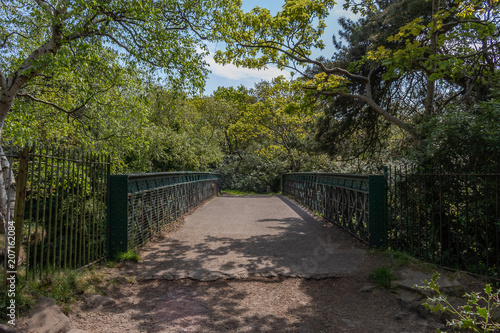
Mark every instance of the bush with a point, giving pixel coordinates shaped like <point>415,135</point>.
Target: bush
<point>251,173</point>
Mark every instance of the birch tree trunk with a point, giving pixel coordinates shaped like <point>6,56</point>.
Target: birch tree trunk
<point>7,179</point>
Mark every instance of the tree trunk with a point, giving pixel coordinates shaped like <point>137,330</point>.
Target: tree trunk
<point>431,84</point>
<point>7,180</point>
<point>7,191</point>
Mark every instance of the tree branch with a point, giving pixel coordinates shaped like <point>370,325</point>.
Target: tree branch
<point>3,81</point>
<point>33,98</point>
<point>45,6</point>
<point>307,60</point>
<point>8,36</point>
<point>377,108</point>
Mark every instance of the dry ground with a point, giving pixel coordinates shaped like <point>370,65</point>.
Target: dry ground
<point>251,305</point>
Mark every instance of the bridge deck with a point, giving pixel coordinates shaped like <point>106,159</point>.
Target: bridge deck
<point>239,236</point>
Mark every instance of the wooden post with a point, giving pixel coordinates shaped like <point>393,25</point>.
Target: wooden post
<point>22,178</point>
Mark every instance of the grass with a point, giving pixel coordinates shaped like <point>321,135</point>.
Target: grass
<point>382,276</point>
<point>130,255</point>
<point>64,286</point>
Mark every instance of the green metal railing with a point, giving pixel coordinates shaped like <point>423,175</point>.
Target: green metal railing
<point>60,211</point>
<point>358,203</point>
<point>140,205</point>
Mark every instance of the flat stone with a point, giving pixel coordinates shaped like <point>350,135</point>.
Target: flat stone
<point>9,329</point>
<point>47,318</point>
<point>350,323</point>
<point>366,288</point>
<point>407,296</point>
<point>99,301</point>
<point>410,278</point>
<point>77,330</point>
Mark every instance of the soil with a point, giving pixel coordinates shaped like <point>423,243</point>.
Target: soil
<point>254,304</point>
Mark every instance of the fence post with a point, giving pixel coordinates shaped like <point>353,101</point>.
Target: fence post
<point>117,215</point>
<point>282,184</point>
<point>22,178</point>
<point>377,211</point>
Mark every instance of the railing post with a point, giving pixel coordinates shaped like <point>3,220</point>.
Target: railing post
<point>282,185</point>
<point>377,214</point>
<point>117,214</point>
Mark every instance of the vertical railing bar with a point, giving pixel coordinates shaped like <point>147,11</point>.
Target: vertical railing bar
<point>30,218</point>
<point>50,197</point>
<point>44,221</point>
<point>69,213</point>
<point>74,223</point>
<point>467,222</point>
<point>102,227</point>
<point>457,224</point>
<point>497,241</point>
<point>83,213</point>
<point>101,198</point>
<point>448,225</point>
<point>91,203</point>
<point>441,217</point>
<point>63,211</point>
<point>37,221</point>
<point>107,179</point>
<point>430,216</point>
<point>486,196</point>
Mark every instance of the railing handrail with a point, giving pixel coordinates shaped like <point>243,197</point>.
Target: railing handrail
<point>141,176</point>
<point>343,175</point>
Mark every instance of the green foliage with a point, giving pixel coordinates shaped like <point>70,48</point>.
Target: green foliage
<point>238,192</point>
<point>251,173</point>
<point>401,258</point>
<point>131,255</point>
<point>382,276</point>
<point>463,140</point>
<point>64,286</point>
<point>475,316</point>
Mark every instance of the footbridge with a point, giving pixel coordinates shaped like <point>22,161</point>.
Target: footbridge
<point>321,225</point>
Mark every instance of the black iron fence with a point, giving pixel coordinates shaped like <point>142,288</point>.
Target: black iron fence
<point>355,202</point>
<point>451,219</point>
<point>142,204</point>
<point>69,212</point>
<point>60,212</point>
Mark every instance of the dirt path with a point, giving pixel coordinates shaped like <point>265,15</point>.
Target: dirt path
<point>250,274</point>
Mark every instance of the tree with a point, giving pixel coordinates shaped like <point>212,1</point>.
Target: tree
<point>39,38</point>
<point>453,44</point>
<point>279,118</point>
<point>224,110</point>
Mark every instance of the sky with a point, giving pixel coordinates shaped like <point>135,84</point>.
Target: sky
<point>230,75</point>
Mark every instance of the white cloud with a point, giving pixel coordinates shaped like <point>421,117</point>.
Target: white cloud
<point>232,72</point>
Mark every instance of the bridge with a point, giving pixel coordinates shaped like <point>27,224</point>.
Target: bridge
<point>232,237</point>
<point>240,236</point>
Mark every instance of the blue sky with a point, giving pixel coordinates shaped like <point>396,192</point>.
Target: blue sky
<point>230,75</point>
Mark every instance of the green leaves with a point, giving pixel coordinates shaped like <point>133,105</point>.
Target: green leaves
<point>284,39</point>
<point>475,316</point>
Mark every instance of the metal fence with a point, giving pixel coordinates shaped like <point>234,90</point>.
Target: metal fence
<point>60,207</point>
<point>355,202</point>
<point>142,204</point>
<point>451,219</point>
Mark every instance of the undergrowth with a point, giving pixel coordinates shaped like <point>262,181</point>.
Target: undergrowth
<point>63,286</point>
